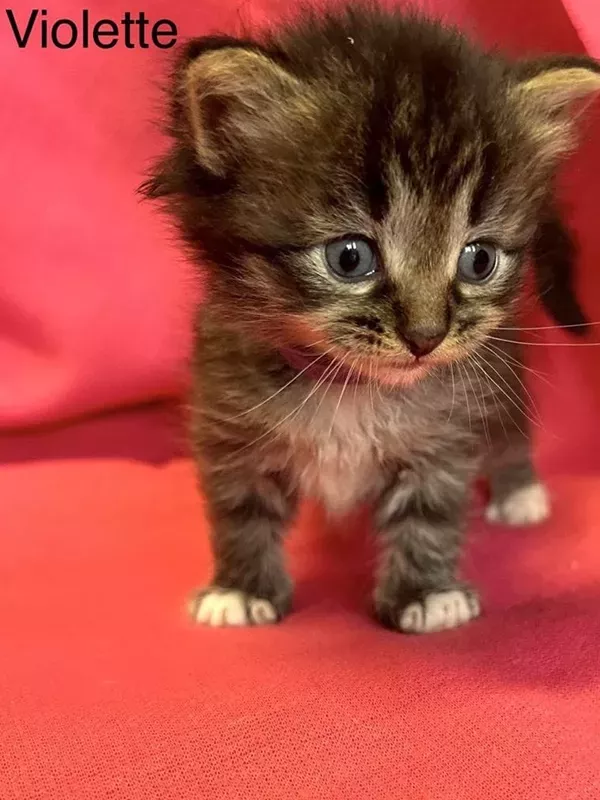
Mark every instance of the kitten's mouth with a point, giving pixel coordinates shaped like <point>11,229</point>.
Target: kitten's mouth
<point>328,369</point>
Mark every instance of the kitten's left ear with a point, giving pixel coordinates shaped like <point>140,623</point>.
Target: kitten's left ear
<point>547,90</point>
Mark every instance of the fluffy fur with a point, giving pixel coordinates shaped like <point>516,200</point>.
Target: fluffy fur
<point>397,130</point>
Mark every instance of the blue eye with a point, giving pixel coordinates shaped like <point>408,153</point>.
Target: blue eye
<point>477,262</point>
<point>351,258</point>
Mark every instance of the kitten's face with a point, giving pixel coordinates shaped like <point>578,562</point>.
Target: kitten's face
<point>386,246</point>
<point>393,296</point>
<point>370,197</point>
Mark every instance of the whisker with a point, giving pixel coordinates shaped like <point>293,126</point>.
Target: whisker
<point>499,406</point>
<point>453,392</point>
<point>468,402</point>
<point>283,388</point>
<point>370,385</point>
<point>378,388</point>
<point>518,402</point>
<point>356,385</point>
<point>551,327</point>
<point>503,354</point>
<point>545,344</point>
<point>296,410</point>
<point>481,407</point>
<point>333,373</point>
<point>508,397</point>
<point>519,379</point>
<point>350,371</point>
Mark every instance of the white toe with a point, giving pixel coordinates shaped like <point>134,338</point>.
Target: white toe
<point>261,611</point>
<point>226,608</point>
<point>412,619</point>
<point>529,505</point>
<point>439,611</point>
<point>220,608</point>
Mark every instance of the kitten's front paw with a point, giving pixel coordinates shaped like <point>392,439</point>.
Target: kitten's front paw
<point>437,611</point>
<point>222,608</point>
<point>528,505</point>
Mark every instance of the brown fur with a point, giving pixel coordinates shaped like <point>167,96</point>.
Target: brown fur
<point>397,130</point>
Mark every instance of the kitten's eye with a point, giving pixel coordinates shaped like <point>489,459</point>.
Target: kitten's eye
<point>477,262</point>
<point>351,258</point>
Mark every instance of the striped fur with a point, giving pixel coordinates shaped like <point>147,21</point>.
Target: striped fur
<point>367,122</point>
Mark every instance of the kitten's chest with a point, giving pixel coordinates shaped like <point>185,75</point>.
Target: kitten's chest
<point>339,457</point>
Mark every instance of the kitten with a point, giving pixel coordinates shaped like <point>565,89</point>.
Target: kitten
<point>364,189</point>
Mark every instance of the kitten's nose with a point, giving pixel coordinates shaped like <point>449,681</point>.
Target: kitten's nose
<point>422,341</point>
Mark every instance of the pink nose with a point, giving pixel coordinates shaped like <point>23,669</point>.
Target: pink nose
<point>422,341</point>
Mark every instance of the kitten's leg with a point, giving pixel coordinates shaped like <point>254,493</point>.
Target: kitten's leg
<point>249,513</point>
<point>517,495</point>
<point>419,520</point>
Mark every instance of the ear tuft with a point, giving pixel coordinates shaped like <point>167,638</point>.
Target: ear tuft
<point>228,93</point>
<point>547,91</point>
<point>557,88</point>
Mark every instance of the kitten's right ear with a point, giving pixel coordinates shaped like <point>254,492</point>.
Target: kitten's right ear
<point>231,92</point>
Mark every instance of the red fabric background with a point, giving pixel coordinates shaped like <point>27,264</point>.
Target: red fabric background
<point>106,691</point>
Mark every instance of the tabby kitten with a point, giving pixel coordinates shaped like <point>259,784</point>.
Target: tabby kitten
<point>364,189</point>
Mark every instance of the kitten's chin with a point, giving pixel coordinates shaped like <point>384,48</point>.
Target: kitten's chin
<point>404,375</point>
<point>326,368</point>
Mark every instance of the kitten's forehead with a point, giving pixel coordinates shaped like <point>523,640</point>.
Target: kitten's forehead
<point>423,169</point>
<point>422,232</point>
<point>398,119</point>
<point>425,131</point>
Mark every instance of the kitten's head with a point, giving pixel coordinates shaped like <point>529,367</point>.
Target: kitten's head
<point>365,183</point>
